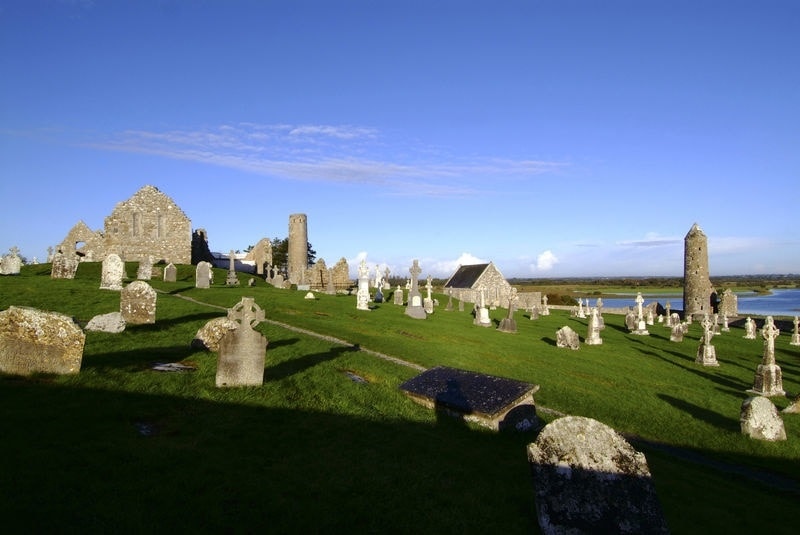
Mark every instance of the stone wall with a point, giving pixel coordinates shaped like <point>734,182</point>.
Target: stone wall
<point>149,224</point>
<point>317,275</point>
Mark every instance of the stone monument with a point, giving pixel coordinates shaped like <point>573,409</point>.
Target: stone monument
<point>566,337</point>
<point>145,269</point>
<point>508,324</point>
<point>795,334</point>
<point>768,381</point>
<point>427,303</point>
<point>137,303</point>
<point>706,354</point>
<point>593,334</point>
<point>481,312</point>
<point>641,324</point>
<point>35,341</point>
<point>414,307</point>
<point>297,255</point>
<point>113,271</point>
<point>759,419</point>
<point>231,279</point>
<point>170,273</point>
<point>749,329</point>
<point>362,295</point>
<point>242,351</point>
<point>203,275</point>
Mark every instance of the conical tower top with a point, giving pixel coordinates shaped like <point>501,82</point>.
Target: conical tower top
<point>695,231</point>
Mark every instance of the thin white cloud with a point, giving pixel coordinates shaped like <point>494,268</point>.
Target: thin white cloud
<point>651,239</point>
<point>326,153</point>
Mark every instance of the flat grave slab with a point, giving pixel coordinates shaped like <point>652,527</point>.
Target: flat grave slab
<point>494,402</point>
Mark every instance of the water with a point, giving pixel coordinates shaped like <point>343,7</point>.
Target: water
<point>783,302</point>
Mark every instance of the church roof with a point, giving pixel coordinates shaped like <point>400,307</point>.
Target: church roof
<point>466,276</point>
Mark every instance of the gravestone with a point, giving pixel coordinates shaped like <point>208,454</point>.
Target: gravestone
<point>769,380</point>
<point>678,329</point>
<point>641,323</point>
<point>64,266</point>
<point>232,279</point>
<point>794,406</point>
<point>242,351</point>
<point>137,303</point>
<point>209,335</point>
<point>795,334</point>
<point>630,320</point>
<point>760,419</point>
<point>35,341</point>
<point>725,326</point>
<point>414,307</point>
<point>545,311</point>
<point>566,337</point>
<point>508,324</point>
<point>749,329</point>
<point>113,271</point>
<point>494,402</point>
<point>533,312</point>
<point>398,296</point>
<point>593,334</point>
<point>427,303</point>
<point>481,312</point>
<point>449,307</point>
<point>170,273</point>
<point>706,353</point>
<point>589,479</point>
<point>362,294</point>
<point>203,275</point>
<point>11,264</point>
<point>113,322</point>
<point>145,270</point>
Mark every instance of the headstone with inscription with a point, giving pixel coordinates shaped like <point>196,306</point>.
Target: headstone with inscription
<point>137,303</point>
<point>35,341</point>
<point>414,307</point>
<point>170,273</point>
<point>113,271</point>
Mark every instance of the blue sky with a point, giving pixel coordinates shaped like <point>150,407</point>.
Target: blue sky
<point>555,138</point>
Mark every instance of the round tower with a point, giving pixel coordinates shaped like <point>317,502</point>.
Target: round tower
<point>297,258</point>
<point>696,281</point>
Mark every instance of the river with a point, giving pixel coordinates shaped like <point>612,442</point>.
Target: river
<point>781,302</point>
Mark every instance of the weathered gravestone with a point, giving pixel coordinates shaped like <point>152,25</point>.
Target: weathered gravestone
<point>362,295</point>
<point>593,334</point>
<point>137,303</point>
<point>34,341</point>
<point>588,479</point>
<point>509,324</point>
<point>242,351</point>
<point>64,266</point>
<point>494,402</point>
<point>203,275</point>
<point>11,264</point>
<point>170,273</point>
<point>113,322</point>
<point>209,335</point>
<point>794,406</point>
<point>145,270</point>
<point>760,419</point>
<point>795,341</point>
<point>678,329</point>
<point>113,271</point>
<point>706,353</point>
<point>398,296</point>
<point>769,378</point>
<point>566,337</point>
<point>232,279</point>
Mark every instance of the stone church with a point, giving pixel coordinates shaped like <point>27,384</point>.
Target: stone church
<point>147,224</point>
<point>466,283</point>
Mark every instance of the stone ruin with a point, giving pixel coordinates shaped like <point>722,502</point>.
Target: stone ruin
<point>35,341</point>
<point>588,479</point>
<point>148,223</point>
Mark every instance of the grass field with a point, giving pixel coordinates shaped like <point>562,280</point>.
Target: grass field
<point>121,447</point>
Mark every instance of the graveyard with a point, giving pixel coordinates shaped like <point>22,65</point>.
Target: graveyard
<point>329,442</point>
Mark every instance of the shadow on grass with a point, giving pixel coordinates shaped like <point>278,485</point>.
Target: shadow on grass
<point>160,463</point>
<point>138,359</point>
<point>732,385</point>
<point>166,323</point>
<point>701,413</point>
<point>300,364</point>
<point>550,341</point>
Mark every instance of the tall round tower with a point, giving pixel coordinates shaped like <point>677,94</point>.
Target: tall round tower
<point>297,260</point>
<point>696,281</point>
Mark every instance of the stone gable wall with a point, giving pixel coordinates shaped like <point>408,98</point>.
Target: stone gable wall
<point>149,224</point>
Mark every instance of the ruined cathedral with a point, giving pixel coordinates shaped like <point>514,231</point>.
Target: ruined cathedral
<point>147,224</point>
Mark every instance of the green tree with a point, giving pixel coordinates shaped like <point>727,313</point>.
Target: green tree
<point>280,254</point>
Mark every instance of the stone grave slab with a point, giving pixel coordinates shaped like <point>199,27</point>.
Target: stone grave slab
<point>484,399</point>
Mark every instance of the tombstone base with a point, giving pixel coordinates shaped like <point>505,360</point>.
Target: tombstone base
<point>507,325</point>
<point>706,355</point>
<point>768,381</point>
<point>416,312</point>
<point>493,402</point>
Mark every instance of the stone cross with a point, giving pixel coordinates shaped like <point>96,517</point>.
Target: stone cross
<point>708,333</point>
<point>769,333</point>
<point>14,250</point>
<point>429,286</point>
<point>242,351</point>
<point>246,312</point>
<point>639,301</point>
<point>415,270</point>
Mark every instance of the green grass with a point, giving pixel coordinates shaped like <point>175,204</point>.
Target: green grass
<point>313,450</point>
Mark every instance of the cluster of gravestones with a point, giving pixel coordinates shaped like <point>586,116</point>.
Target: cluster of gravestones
<point>584,472</point>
